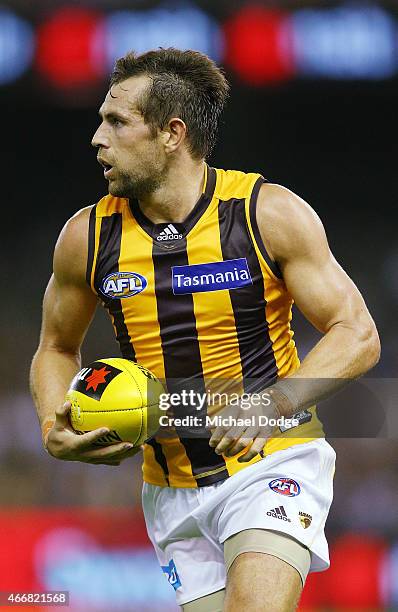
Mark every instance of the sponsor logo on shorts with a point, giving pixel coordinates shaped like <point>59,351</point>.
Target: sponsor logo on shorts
<point>285,486</point>
<point>172,576</point>
<point>228,274</point>
<point>118,285</point>
<point>305,519</point>
<point>279,513</point>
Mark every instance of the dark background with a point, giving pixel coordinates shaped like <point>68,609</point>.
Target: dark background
<point>333,143</point>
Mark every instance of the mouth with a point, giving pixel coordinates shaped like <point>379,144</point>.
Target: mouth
<point>107,167</point>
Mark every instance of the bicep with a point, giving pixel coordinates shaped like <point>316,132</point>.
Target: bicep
<point>322,291</point>
<point>69,303</point>
<point>297,241</point>
<point>67,312</point>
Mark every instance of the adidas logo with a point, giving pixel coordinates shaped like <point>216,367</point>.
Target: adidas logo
<point>169,233</point>
<point>279,513</point>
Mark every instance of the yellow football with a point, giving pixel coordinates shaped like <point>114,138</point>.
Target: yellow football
<point>119,394</point>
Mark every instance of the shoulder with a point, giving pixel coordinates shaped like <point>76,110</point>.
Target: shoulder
<point>287,224</point>
<point>70,255</point>
<point>234,183</point>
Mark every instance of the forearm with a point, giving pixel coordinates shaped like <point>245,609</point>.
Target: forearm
<point>51,373</point>
<point>342,355</point>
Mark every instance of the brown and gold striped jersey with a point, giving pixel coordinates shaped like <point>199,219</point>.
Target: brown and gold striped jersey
<point>198,301</point>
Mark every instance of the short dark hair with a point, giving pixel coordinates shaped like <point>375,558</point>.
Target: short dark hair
<point>185,84</point>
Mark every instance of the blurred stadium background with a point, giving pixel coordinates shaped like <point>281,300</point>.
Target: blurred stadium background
<point>314,107</point>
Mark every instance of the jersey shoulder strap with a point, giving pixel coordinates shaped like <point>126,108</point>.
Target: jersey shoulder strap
<point>108,205</point>
<point>100,214</point>
<point>236,185</point>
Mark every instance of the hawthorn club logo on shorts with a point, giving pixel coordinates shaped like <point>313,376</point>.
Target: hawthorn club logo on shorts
<point>285,486</point>
<point>305,519</point>
<point>93,381</point>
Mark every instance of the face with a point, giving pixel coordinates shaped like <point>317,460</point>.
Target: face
<point>133,157</point>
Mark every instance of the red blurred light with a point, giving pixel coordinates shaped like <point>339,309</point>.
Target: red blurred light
<point>257,45</point>
<point>353,580</point>
<point>23,530</point>
<point>355,573</point>
<point>67,53</point>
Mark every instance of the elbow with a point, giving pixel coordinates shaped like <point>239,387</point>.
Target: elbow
<point>370,348</point>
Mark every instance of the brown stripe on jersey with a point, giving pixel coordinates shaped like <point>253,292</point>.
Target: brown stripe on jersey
<point>91,244</point>
<point>253,220</point>
<point>257,357</point>
<point>108,262</point>
<point>181,356</point>
<point>159,456</point>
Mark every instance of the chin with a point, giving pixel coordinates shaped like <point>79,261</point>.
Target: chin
<point>116,190</point>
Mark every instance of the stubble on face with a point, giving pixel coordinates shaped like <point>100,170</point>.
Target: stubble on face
<point>139,183</point>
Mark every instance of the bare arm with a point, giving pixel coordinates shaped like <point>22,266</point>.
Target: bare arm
<point>68,309</point>
<point>328,298</point>
<point>295,239</point>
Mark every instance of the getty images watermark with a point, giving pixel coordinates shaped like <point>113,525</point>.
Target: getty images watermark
<point>202,401</point>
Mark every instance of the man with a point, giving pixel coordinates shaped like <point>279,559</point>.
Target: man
<point>237,520</point>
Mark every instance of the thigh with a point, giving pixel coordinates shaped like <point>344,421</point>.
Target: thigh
<point>272,543</point>
<point>262,582</point>
<point>208,603</point>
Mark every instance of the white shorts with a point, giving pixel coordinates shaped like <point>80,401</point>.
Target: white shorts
<point>289,491</point>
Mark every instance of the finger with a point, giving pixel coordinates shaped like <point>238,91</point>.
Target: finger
<point>93,462</point>
<point>130,453</point>
<point>86,440</point>
<point>244,441</point>
<point>120,457</point>
<point>254,450</point>
<point>125,455</point>
<point>112,452</point>
<point>220,431</point>
<point>217,436</point>
<point>230,438</point>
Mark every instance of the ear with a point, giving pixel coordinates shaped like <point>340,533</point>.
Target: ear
<point>174,134</point>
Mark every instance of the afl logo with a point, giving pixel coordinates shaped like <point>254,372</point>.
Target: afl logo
<point>123,284</point>
<point>285,486</point>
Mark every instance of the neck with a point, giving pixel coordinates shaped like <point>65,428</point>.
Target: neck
<point>177,196</point>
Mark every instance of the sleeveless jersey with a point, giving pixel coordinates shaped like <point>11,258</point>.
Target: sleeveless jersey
<point>197,301</point>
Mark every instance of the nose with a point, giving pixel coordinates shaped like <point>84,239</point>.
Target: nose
<point>100,139</point>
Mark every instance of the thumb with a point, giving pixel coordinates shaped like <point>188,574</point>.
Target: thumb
<point>62,416</point>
